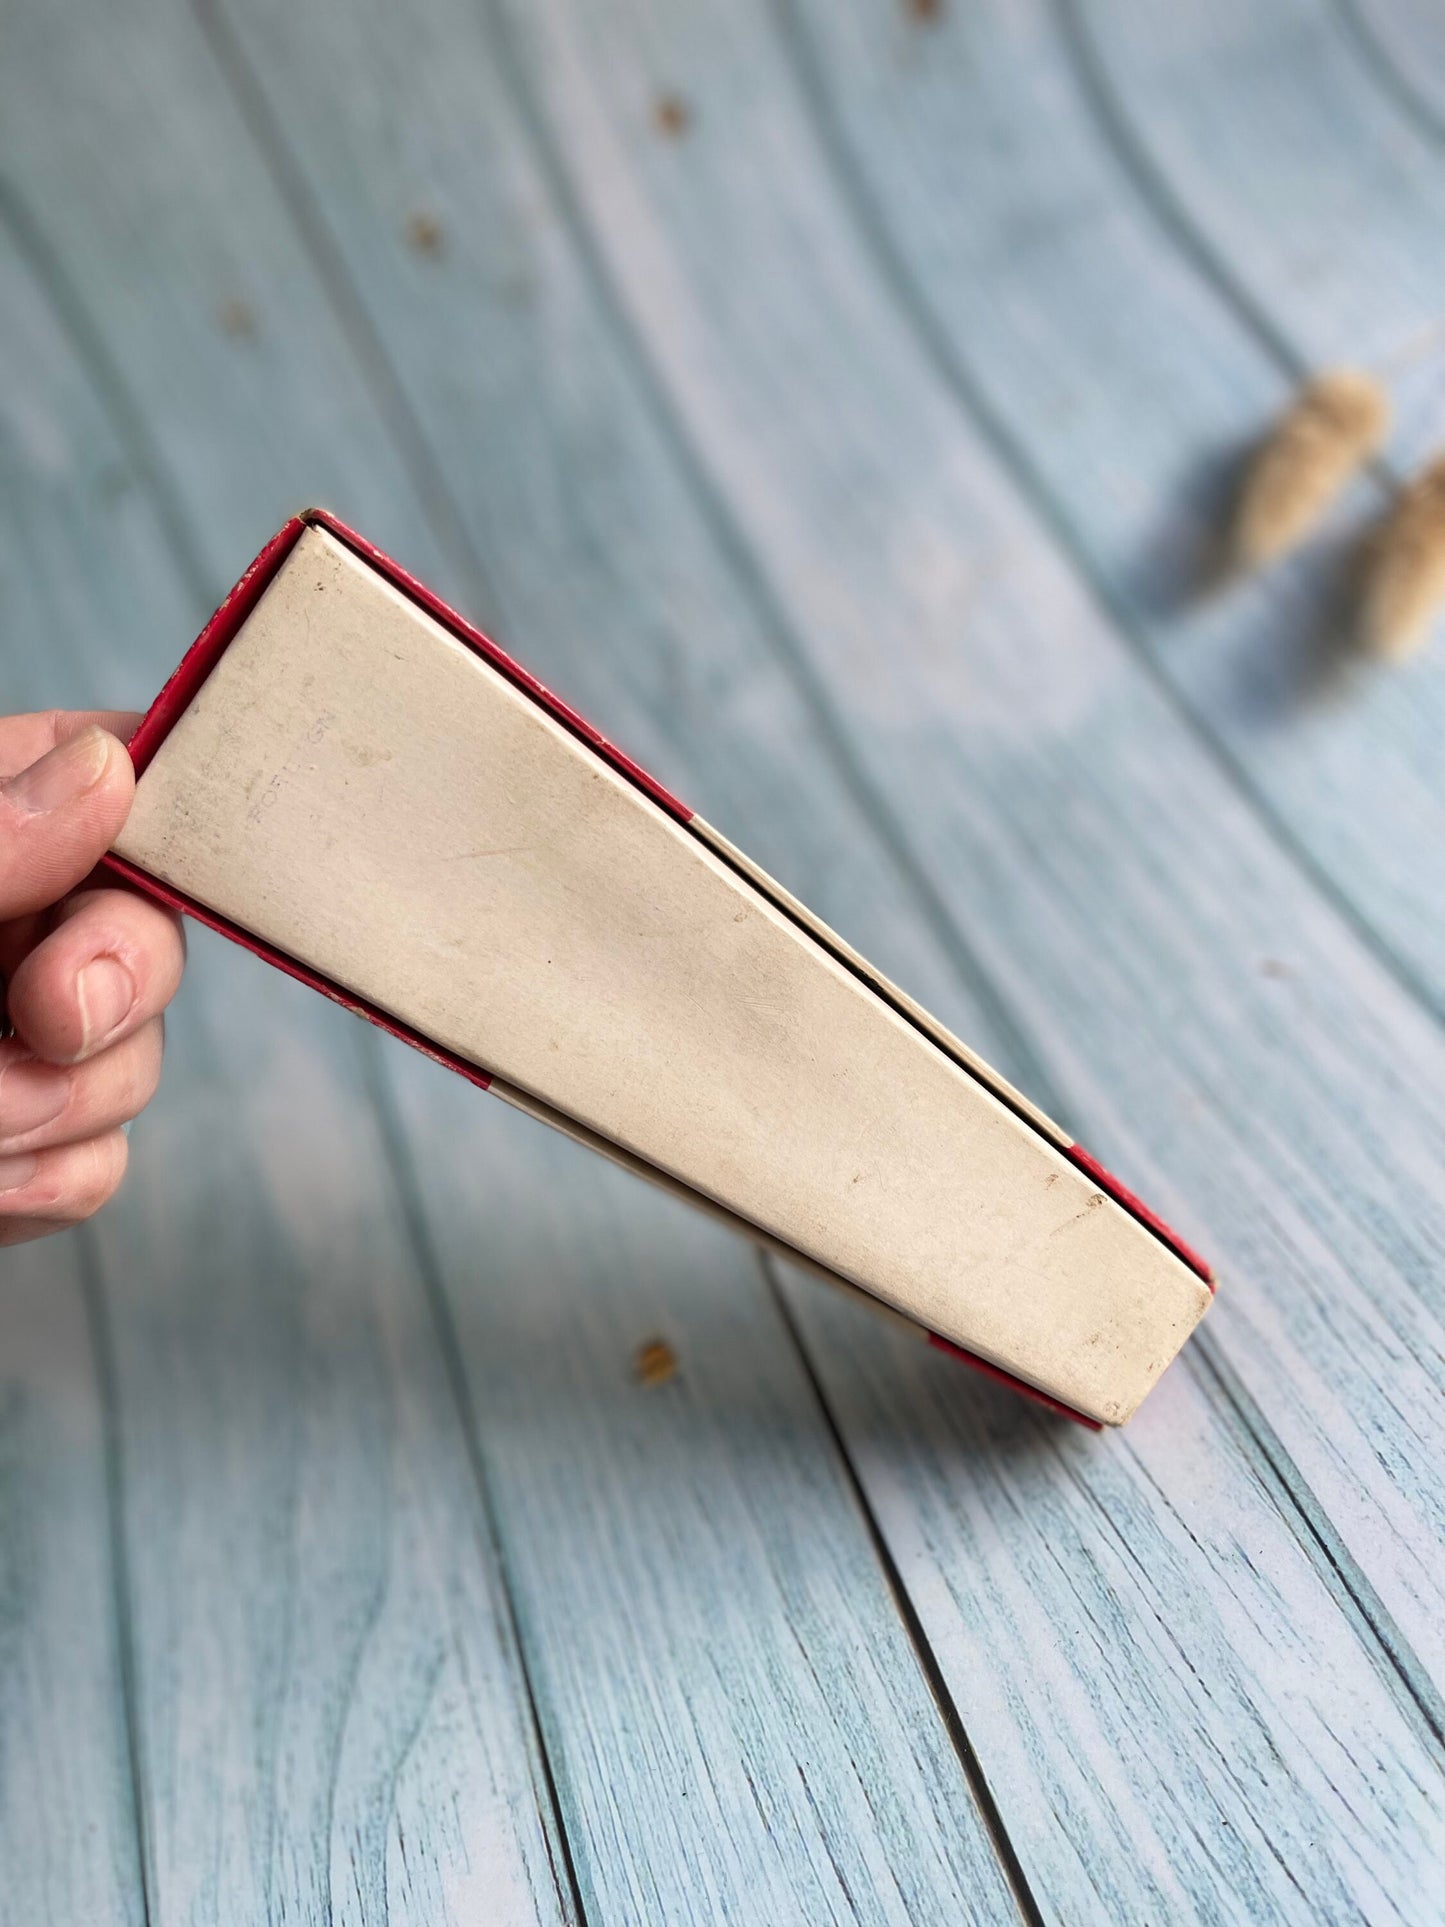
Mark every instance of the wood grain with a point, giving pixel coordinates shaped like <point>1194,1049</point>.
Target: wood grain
<point>332,1722</point>
<point>1303,182</point>
<point>496,207</point>
<point>1124,388</point>
<point>1143,1603</point>
<point>736,1716</point>
<point>1402,44</point>
<point>1050,783</point>
<point>321,1693</point>
<point>158,219</point>
<point>1285,204</point>
<point>69,1846</point>
<point>68,1839</point>
<point>295,1494</point>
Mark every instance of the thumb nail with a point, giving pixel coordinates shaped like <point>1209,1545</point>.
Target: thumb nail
<point>63,773</point>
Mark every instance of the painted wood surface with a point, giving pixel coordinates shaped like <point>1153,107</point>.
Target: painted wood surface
<point>331,1721</point>
<point>296,1811</point>
<point>69,1840</point>
<point>1330,250</point>
<point>571,308</point>
<point>418,350</point>
<point>65,1771</point>
<point>1033,272</point>
<point>1403,43</point>
<point>303,1649</point>
<point>1017,842</point>
<point>1302,180</point>
<point>716,1653</point>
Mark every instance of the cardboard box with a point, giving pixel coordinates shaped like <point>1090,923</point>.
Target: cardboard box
<point>351,781</point>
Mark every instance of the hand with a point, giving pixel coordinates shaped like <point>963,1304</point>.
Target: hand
<point>87,972</point>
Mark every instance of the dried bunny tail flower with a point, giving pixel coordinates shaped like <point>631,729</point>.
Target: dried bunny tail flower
<point>1335,424</point>
<point>1405,587</point>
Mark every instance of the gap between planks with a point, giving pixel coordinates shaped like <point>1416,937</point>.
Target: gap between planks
<point>923,1651</point>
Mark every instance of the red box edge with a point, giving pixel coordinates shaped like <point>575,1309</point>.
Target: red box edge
<point>1001,1377</point>
<point>1136,1207</point>
<point>204,653</point>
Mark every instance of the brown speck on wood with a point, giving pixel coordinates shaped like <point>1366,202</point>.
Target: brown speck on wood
<point>671,115</point>
<point>924,11</point>
<point>1272,967</point>
<point>424,233</point>
<point>236,318</point>
<point>654,1362</point>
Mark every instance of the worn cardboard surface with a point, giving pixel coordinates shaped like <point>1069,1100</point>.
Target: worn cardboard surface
<point>363,792</point>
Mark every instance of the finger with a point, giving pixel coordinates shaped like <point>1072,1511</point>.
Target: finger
<point>58,817</point>
<point>42,1105</point>
<point>111,963</point>
<point>42,1191</point>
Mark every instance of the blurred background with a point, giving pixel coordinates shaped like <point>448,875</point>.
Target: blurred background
<point>840,402</point>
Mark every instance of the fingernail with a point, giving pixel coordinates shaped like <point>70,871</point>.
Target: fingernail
<point>63,773</point>
<point>16,1171</point>
<point>31,1094</point>
<point>105,991</point>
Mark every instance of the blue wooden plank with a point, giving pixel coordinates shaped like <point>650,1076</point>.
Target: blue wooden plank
<point>1276,153</point>
<point>1113,880</point>
<point>859,1783</point>
<point>331,1718</point>
<point>594,561</point>
<point>1317,193</point>
<point>737,1719</point>
<point>69,1844</point>
<point>1122,386</point>
<point>1162,1631</point>
<point>1093,1611</point>
<point>1045,291</point>
<point>1403,44</point>
<point>251,358</point>
<point>295,1497</point>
